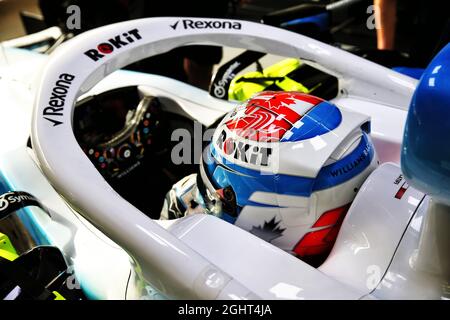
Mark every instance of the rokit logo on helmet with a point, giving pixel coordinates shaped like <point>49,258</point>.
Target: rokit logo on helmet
<point>117,42</point>
<point>207,24</point>
<point>243,151</point>
<point>57,100</point>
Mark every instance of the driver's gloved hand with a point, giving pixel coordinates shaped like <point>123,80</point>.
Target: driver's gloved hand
<point>183,199</point>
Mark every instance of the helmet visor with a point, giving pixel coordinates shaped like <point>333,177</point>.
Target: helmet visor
<point>218,201</point>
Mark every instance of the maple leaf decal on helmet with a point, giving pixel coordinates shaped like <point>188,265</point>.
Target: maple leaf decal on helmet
<point>269,231</point>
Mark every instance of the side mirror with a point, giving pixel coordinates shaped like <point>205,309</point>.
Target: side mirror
<point>425,157</point>
<point>425,162</point>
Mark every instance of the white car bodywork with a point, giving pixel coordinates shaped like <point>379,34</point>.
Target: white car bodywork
<point>116,250</point>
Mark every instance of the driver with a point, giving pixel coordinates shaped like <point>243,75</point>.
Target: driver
<point>284,166</point>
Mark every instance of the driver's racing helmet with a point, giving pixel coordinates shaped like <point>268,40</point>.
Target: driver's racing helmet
<point>286,166</point>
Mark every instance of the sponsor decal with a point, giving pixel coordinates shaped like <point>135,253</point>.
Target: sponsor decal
<point>15,200</point>
<point>400,193</point>
<point>269,231</point>
<point>399,179</point>
<point>57,99</point>
<point>352,165</point>
<point>346,168</point>
<point>3,203</point>
<point>112,44</point>
<point>206,24</point>
<point>242,151</point>
<point>220,87</point>
<point>225,74</point>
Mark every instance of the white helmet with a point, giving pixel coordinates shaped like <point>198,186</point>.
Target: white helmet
<point>286,166</point>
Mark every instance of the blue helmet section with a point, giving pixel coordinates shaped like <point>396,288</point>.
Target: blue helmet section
<point>348,167</point>
<point>415,73</point>
<point>323,118</point>
<point>425,156</point>
<point>246,181</point>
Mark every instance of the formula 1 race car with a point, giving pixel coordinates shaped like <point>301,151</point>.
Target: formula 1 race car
<point>86,160</point>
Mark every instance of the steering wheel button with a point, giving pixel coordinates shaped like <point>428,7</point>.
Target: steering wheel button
<point>125,152</point>
<point>140,149</point>
<point>110,153</point>
<point>146,123</point>
<point>101,159</point>
<point>146,130</point>
<point>113,167</point>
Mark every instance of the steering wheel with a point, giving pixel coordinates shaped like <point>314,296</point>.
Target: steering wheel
<point>129,146</point>
<point>124,151</point>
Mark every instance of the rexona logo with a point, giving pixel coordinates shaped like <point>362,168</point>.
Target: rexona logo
<point>57,100</point>
<point>112,44</point>
<point>207,24</point>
